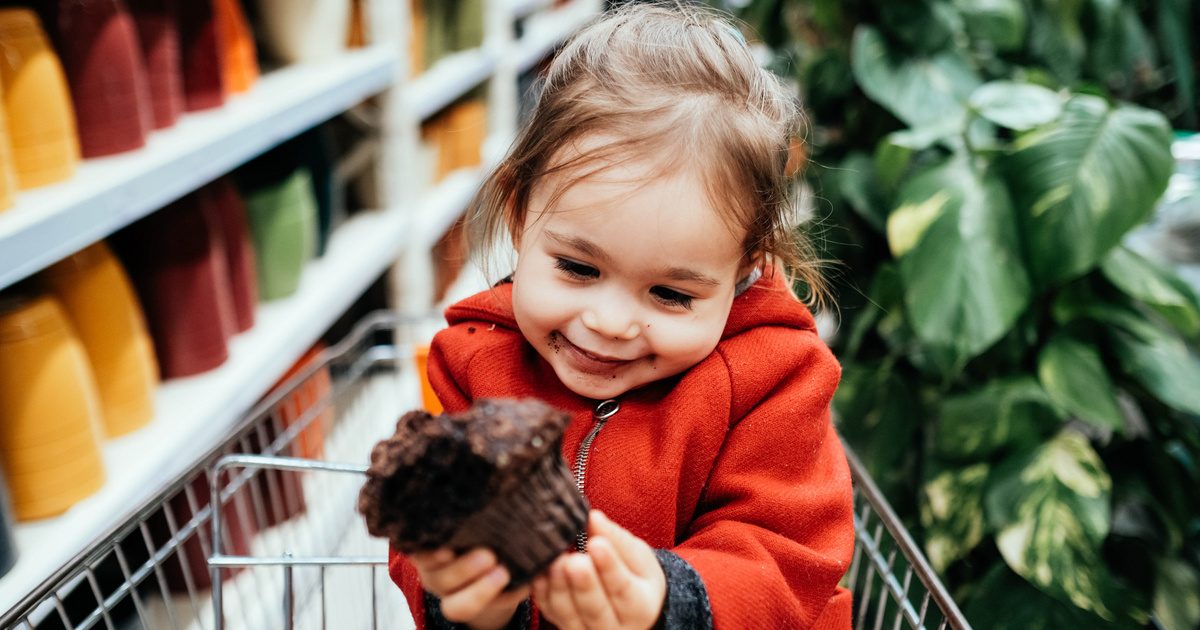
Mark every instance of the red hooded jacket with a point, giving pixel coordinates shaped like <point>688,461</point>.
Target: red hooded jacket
<point>733,465</point>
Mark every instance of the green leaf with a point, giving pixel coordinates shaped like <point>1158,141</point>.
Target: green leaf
<point>1175,36</point>
<point>1083,182</point>
<point>878,414</point>
<point>1177,595</point>
<point>858,184</point>
<point>1156,286</point>
<point>1006,414</point>
<point>891,160</point>
<point>999,22</point>
<point>1073,374</point>
<point>1050,507</point>
<point>1161,363</point>
<point>1019,106</point>
<point>1122,51</point>
<point>1004,601</point>
<point>919,90</point>
<point>952,513</point>
<point>958,251</point>
<point>923,25</point>
<point>1056,37</point>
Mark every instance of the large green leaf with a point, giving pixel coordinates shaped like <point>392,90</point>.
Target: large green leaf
<point>1177,595</point>
<point>1156,286</point>
<point>1073,374</point>
<point>1151,355</point>
<point>952,513</point>
<point>920,91</point>
<point>1000,23</point>
<point>1050,508</point>
<point>1006,414</point>
<point>1019,106</point>
<point>1004,601</point>
<point>1081,183</point>
<point>954,235</point>
<point>1161,363</point>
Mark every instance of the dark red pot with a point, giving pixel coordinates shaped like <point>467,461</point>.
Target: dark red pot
<point>239,249</point>
<point>103,60</point>
<point>177,262</point>
<point>158,34</point>
<point>203,55</point>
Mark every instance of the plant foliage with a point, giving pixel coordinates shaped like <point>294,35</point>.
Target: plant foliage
<point>1025,389</point>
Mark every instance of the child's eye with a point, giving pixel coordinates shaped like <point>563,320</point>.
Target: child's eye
<point>671,297</point>
<point>577,271</point>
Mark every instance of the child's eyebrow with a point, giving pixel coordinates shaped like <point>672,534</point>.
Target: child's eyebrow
<point>592,250</point>
<point>579,244</point>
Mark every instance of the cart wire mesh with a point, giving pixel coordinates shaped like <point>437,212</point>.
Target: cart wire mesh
<point>285,547</point>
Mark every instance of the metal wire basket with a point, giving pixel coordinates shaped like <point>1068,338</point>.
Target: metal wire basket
<point>285,547</point>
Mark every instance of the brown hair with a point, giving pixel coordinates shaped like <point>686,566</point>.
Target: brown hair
<point>672,81</point>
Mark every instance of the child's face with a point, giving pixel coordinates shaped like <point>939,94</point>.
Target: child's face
<point>625,282</point>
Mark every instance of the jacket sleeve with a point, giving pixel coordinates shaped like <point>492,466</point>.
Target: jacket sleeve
<point>773,532</point>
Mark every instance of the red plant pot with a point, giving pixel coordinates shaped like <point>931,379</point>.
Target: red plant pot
<point>177,262</point>
<point>203,55</point>
<point>239,249</point>
<point>104,65</point>
<point>158,35</point>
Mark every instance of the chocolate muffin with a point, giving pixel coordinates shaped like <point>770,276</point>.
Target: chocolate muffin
<point>492,477</point>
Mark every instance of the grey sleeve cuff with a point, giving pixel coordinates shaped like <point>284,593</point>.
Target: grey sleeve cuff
<point>686,606</point>
<point>435,621</point>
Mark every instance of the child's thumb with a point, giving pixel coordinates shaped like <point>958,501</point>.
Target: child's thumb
<point>633,551</point>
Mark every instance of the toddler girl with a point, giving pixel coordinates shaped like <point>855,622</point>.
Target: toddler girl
<point>647,199</point>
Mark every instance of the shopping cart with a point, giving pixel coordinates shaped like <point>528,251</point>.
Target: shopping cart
<point>285,548</point>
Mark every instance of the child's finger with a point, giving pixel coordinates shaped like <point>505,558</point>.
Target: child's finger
<point>432,560</point>
<point>614,575</point>
<point>588,594</point>
<point>633,551</point>
<point>557,603</point>
<point>458,573</point>
<point>468,602</point>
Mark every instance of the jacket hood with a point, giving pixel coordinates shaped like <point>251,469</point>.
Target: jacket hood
<point>767,302</point>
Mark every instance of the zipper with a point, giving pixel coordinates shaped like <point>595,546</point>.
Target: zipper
<point>601,414</point>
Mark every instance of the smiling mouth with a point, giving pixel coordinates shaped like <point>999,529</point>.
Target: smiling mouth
<point>588,360</point>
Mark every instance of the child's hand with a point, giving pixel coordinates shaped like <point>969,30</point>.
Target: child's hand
<point>471,586</point>
<point>618,584</point>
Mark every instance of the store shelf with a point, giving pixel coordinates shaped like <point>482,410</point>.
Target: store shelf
<point>545,31</point>
<point>447,80</point>
<point>49,223</point>
<point>194,414</point>
<point>518,9</point>
<point>444,205</point>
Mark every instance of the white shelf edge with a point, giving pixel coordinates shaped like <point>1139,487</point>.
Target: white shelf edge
<point>545,31</point>
<point>106,194</point>
<point>448,79</point>
<point>194,414</point>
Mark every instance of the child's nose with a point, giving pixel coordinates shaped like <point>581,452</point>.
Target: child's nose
<point>613,323</point>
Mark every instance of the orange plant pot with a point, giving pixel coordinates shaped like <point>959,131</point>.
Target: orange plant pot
<point>41,120</point>
<point>239,65</point>
<point>428,398</point>
<point>8,178</point>
<point>49,410</point>
<point>105,312</point>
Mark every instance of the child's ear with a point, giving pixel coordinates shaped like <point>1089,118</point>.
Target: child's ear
<point>749,263</point>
